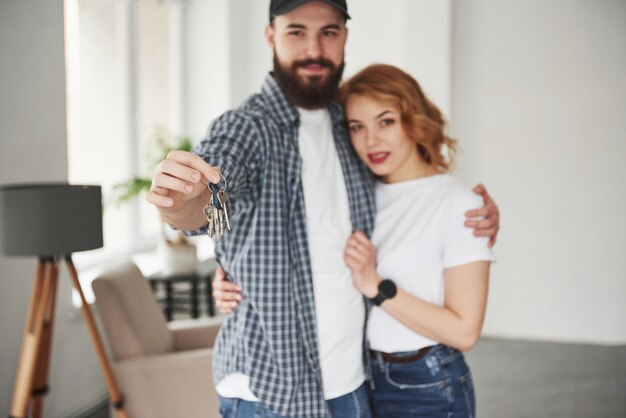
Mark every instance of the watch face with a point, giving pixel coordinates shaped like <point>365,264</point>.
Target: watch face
<point>387,288</point>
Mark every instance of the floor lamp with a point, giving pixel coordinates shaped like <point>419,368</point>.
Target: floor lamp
<point>50,221</point>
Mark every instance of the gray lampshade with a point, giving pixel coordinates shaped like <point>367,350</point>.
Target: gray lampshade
<point>50,219</point>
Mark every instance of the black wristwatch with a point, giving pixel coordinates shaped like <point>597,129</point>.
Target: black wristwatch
<point>386,290</point>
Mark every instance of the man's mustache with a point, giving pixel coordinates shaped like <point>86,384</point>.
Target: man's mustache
<point>311,61</point>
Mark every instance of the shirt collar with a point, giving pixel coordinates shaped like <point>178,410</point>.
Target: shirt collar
<point>286,113</point>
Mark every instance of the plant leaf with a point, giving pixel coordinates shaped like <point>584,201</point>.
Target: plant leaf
<point>130,189</point>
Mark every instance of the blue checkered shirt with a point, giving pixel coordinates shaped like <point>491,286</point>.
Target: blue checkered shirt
<point>272,336</point>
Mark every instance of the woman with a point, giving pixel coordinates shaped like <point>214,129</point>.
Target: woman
<point>427,272</point>
<point>438,269</point>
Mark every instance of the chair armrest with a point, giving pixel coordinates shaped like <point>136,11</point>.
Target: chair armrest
<point>195,333</point>
<point>169,385</point>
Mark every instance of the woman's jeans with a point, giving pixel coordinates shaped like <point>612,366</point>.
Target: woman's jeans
<point>437,385</point>
<point>351,405</point>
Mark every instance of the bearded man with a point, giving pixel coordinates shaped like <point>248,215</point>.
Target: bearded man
<point>294,346</point>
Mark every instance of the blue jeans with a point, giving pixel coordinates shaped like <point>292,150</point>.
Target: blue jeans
<point>351,405</point>
<point>437,385</point>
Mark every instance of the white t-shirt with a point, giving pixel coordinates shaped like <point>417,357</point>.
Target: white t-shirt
<point>339,306</point>
<point>419,232</point>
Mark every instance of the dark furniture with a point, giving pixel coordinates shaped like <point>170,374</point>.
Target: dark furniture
<point>185,293</point>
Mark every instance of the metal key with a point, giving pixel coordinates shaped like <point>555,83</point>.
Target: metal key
<point>208,212</point>
<point>216,210</point>
<point>223,199</point>
<point>211,213</point>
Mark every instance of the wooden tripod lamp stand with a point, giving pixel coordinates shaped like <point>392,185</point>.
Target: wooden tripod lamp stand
<point>50,221</point>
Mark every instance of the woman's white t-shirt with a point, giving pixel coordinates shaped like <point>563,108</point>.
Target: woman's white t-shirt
<point>420,232</point>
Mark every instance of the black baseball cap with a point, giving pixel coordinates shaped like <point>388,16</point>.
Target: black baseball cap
<point>280,7</point>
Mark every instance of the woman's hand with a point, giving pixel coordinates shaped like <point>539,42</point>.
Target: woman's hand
<point>227,294</point>
<point>360,256</point>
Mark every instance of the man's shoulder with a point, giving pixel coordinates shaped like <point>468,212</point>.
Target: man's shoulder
<point>250,115</point>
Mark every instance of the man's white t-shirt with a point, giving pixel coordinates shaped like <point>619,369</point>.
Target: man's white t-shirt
<point>419,232</point>
<point>339,306</point>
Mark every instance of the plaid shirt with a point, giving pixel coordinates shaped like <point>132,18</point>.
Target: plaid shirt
<point>272,336</point>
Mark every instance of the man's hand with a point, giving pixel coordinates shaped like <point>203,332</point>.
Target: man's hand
<point>227,294</point>
<point>360,256</point>
<point>490,225</point>
<point>179,189</point>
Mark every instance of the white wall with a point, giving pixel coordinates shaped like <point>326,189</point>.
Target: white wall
<point>207,68</point>
<point>539,102</point>
<point>250,57</point>
<point>33,149</point>
<point>414,35</point>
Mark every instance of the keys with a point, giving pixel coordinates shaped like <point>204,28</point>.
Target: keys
<point>216,210</point>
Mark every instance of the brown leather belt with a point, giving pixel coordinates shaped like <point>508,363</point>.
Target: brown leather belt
<point>392,358</point>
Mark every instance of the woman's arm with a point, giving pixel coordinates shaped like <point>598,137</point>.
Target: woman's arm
<point>458,323</point>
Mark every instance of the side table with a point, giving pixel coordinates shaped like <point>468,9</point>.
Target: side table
<point>168,282</point>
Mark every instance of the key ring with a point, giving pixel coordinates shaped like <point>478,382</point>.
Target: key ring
<point>216,187</point>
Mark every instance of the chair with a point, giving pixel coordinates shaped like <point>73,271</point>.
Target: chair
<point>163,369</point>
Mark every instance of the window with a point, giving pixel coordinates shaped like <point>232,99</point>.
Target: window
<point>120,62</point>
<point>124,82</point>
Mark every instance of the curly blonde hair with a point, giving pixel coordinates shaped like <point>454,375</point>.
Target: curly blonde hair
<point>421,119</point>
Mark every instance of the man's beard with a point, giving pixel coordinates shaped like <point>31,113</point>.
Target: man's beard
<point>316,92</point>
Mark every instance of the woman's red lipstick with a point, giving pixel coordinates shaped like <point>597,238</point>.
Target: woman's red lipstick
<point>378,157</point>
